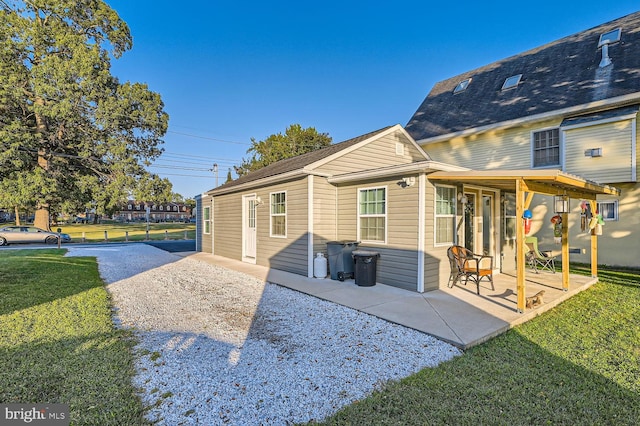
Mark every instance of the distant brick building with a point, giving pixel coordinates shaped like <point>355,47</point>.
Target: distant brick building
<point>136,211</point>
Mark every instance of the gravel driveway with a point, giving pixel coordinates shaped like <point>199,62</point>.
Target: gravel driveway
<point>220,347</point>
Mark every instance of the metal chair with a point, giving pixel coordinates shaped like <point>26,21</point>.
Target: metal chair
<point>465,263</point>
<point>539,260</point>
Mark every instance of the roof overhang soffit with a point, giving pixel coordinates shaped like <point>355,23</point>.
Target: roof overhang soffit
<point>552,183</point>
<point>383,172</point>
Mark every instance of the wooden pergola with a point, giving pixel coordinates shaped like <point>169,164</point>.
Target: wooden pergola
<point>526,183</point>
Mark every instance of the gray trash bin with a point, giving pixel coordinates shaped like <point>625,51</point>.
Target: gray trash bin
<point>366,264</point>
<point>340,260</point>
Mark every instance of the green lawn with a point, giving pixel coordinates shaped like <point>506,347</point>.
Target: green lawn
<point>57,340</point>
<point>578,364</point>
<point>137,231</point>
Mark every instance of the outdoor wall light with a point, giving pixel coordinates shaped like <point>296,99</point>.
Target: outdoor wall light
<point>561,204</point>
<point>462,198</point>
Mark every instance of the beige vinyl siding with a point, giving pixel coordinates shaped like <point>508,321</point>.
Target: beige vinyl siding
<point>497,149</point>
<point>377,154</point>
<point>287,254</point>
<point>435,258</point>
<point>615,165</point>
<point>618,244</point>
<point>398,262</point>
<point>290,253</point>
<point>227,226</point>
<point>324,214</point>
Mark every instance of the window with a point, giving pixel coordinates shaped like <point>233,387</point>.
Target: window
<point>129,206</point>
<point>462,86</point>
<point>175,208</point>
<point>445,214</point>
<point>609,37</point>
<point>161,208</point>
<point>546,148</point>
<point>509,202</point>
<point>279,214</point>
<point>608,210</point>
<point>206,219</point>
<point>372,214</point>
<point>137,206</point>
<point>511,82</point>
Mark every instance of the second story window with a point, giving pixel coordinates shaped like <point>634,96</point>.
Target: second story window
<point>546,148</point>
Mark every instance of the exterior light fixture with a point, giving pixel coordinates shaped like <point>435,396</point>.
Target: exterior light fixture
<point>561,204</point>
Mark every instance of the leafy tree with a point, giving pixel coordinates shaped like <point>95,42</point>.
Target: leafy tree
<point>71,134</point>
<point>293,142</point>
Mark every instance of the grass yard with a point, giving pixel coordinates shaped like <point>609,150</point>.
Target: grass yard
<point>57,340</point>
<point>137,231</point>
<point>578,364</point>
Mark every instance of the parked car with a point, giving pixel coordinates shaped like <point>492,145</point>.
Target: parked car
<point>30,234</point>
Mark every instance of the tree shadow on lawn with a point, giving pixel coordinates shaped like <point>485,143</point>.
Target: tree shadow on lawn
<point>32,277</point>
<point>92,374</point>
<point>509,380</point>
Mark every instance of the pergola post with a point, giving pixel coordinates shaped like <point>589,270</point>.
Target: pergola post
<point>520,272</point>
<point>594,244</point>
<point>565,251</point>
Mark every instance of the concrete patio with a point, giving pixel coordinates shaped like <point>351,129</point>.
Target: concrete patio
<point>456,315</point>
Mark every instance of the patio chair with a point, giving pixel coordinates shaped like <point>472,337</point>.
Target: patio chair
<point>539,260</point>
<point>465,263</point>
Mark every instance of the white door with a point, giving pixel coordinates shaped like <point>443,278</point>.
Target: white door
<point>249,229</point>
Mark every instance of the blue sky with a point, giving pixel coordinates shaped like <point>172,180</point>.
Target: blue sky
<point>230,71</point>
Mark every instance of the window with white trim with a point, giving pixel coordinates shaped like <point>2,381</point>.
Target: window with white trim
<point>129,207</point>
<point>372,214</point>
<point>509,203</point>
<point>206,219</point>
<point>546,148</point>
<point>278,212</point>
<point>445,215</point>
<point>608,210</point>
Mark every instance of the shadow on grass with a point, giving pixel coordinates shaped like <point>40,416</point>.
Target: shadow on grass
<point>91,374</point>
<point>510,380</point>
<point>33,277</point>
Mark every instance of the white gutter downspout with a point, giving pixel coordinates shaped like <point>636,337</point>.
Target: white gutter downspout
<point>421,231</point>
<point>310,226</point>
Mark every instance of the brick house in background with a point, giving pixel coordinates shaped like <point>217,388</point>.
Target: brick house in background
<point>136,211</point>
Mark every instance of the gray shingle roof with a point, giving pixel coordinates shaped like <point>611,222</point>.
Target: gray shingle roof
<point>299,162</point>
<point>558,75</point>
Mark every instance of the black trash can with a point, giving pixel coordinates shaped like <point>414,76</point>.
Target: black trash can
<point>340,260</point>
<point>366,265</point>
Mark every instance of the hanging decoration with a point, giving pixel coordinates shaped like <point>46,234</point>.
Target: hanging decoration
<point>585,216</point>
<point>557,228</point>
<point>527,215</point>
<point>599,224</point>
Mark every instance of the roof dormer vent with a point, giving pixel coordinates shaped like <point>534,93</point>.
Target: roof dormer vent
<point>605,40</point>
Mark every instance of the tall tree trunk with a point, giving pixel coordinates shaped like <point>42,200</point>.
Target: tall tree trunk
<point>42,219</point>
<point>17,216</point>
